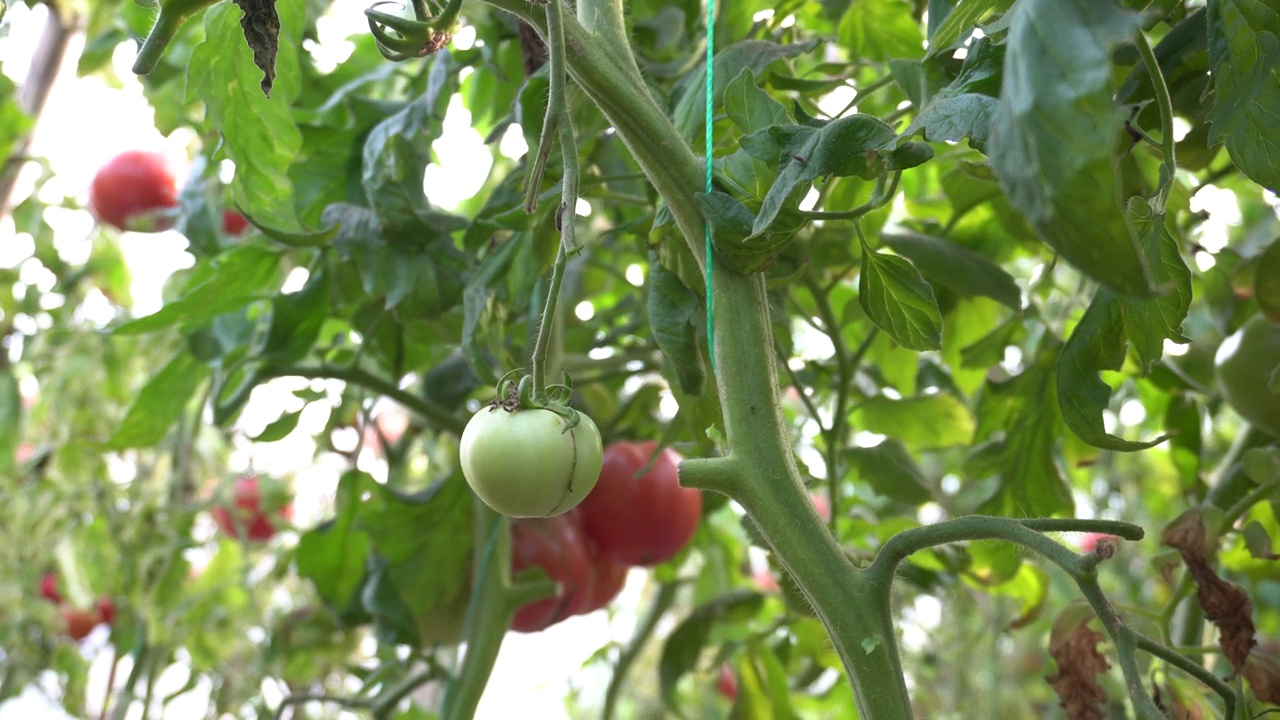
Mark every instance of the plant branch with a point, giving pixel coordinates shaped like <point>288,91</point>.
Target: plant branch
<point>1164,104</point>
<point>438,415</point>
<point>1191,668</point>
<point>657,608</point>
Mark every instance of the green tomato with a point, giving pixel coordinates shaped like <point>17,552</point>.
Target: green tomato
<point>527,463</point>
<point>1245,363</point>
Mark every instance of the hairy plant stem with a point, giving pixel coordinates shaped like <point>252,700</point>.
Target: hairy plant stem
<point>1164,104</point>
<point>759,471</point>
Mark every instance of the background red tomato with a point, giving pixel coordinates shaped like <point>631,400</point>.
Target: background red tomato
<point>556,545</point>
<point>49,587</point>
<point>727,682</point>
<point>133,183</point>
<point>249,517</point>
<point>77,623</point>
<point>604,582</point>
<point>233,223</point>
<point>640,520</point>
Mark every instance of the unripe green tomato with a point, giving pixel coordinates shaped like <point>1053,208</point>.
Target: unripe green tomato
<point>526,464</point>
<point>1244,363</point>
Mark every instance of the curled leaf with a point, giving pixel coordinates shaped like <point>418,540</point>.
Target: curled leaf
<point>1074,646</point>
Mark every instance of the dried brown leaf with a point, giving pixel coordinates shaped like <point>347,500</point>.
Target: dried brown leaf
<point>1079,663</point>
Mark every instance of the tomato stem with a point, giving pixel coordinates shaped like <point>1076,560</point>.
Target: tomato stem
<point>557,117</point>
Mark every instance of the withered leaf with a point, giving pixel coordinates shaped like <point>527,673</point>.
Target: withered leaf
<point>261,25</point>
<point>1079,663</point>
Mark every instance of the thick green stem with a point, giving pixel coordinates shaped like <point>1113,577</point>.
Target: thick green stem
<point>172,15</point>
<point>760,471</point>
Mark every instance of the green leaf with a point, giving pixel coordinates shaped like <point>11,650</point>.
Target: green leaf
<point>476,310</point>
<point>14,122</point>
<point>956,267</point>
<point>673,310</point>
<point>921,422</point>
<point>753,55</point>
<point>958,22</point>
<point>258,134</point>
<point>239,277</point>
<point>880,30</point>
<point>891,471</point>
<point>296,319</point>
<point>159,404</point>
<point>1096,344</point>
<point>1266,282</point>
<point>751,108</point>
<point>1023,459</point>
<point>1055,143</point>
<point>731,225</point>
<point>964,107</point>
<point>10,419</point>
<point>684,646</point>
<point>1244,51</point>
<point>426,540</point>
<point>279,429</point>
<point>333,554</point>
<point>1148,322</point>
<point>899,301</point>
<point>396,155</point>
<point>1182,422</point>
<point>853,145</point>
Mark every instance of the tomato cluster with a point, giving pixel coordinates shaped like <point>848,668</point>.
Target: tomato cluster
<point>250,515</point>
<point>637,515</point>
<point>588,581</point>
<point>77,622</point>
<point>134,189</point>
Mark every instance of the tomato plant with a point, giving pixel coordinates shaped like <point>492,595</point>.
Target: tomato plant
<point>529,463</point>
<point>926,295</point>
<point>131,186</point>
<point>252,514</point>
<point>1246,364</point>
<point>640,518</point>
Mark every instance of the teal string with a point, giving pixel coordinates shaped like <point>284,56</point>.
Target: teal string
<point>710,90</point>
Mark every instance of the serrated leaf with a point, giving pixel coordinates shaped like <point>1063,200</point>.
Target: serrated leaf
<point>426,541</point>
<point>956,267</point>
<point>1023,458</point>
<point>333,555</point>
<point>1148,322</point>
<point>1244,51</point>
<point>160,403</point>
<point>755,55</point>
<point>751,108</point>
<point>258,134</point>
<point>964,108</point>
<point>899,301</point>
<point>731,222</point>
<point>672,308</point>
<point>891,471</point>
<point>1096,344</point>
<point>853,145</point>
<point>921,422</point>
<point>239,277</point>
<point>1054,141</point>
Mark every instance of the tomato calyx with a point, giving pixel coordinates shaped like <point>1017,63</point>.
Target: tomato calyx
<point>514,396</point>
<point>399,38</point>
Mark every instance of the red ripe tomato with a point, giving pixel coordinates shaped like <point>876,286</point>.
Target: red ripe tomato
<point>556,545</point>
<point>78,623</point>
<point>131,184</point>
<point>604,581</point>
<point>640,520</point>
<point>49,587</point>
<point>233,223</point>
<point>107,610</point>
<point>727,683</point>
<point>248,518</point>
